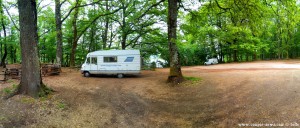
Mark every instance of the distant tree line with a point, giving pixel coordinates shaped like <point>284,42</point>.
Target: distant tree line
<point>239,30</point>
<point>230,30</point>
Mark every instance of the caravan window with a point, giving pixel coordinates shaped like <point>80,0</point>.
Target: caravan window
<point>110,59</point>
<point>94,60</point>
<point>129,59</point>
<point>88,60</point>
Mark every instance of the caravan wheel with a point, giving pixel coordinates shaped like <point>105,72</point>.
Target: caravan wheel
<point>86,74</point>
<point>120,75</point>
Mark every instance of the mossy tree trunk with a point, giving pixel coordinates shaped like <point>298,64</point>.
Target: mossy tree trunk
<point>31,80</point>
<point>175,75</point>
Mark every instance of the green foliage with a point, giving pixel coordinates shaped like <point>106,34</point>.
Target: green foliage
<point>240,29</point>
<point>192,54</point>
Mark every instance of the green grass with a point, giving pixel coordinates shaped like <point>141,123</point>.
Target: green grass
<point>2,118</point>
<point>28,100</point>
<point>10,81</point>
<point>7,90</point>
<point>10,90</point>
<point>193,79</point>
<point>61,105</point>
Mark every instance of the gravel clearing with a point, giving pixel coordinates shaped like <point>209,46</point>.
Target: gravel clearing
<point>261,93</point>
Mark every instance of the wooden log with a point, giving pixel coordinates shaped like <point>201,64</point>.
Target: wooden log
<point>3,72</point>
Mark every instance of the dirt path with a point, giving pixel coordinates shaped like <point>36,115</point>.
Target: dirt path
<point>229,95</point>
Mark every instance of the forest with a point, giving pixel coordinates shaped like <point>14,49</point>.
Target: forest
<point>230,30</point>
<point>183,34</point>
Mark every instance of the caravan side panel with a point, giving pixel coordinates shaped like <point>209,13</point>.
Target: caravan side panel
<point>124,64</point>
<point>114,62</point>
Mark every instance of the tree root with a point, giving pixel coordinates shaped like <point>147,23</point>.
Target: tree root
<point>175,80</point>
<point>44,91</point>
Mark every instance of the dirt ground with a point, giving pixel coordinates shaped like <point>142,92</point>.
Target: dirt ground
<point>263,93</point>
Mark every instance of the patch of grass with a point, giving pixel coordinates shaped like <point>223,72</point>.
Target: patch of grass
<point>193,79</point>
<point>14,86</point>
<point>61,105</point>
<point>10,81</point>
<point>2,118</point>
<point>7,90</point>
<point>28,100</point>
<point>10,90</point>
<point>43,98</point>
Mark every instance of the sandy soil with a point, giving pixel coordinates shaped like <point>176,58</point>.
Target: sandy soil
<point>262,93</point>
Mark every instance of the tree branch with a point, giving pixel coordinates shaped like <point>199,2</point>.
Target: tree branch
<point>78,6</point>
<point>148,9</point>
<point>63,2</point>
<point>44,6</point>
<point>93,21</point>
<point>182,6</point>
<point>225,9</point>
<point>11,17</point>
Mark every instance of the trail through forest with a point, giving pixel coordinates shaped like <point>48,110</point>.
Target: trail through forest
<point>229,95</point>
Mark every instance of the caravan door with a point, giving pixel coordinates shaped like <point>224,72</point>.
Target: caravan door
<point>93,65</point>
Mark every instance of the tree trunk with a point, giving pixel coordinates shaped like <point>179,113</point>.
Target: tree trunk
<point>123,27</point>
<point>59,48</point>
<point>92,44</point>
<point>111,36</point>
<point>31,80</point>
<point>123,42</point>
<point>175,75</point>
<point>13,50</point>
<point>235,56</point>
<point>254,56</point>
<point>104,37</point>
<point>12,56</point>
<point>3,64</point>
<point>75,38</point>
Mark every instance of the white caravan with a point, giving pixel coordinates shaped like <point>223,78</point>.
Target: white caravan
<point>112,62</point>
<point>211,61</point>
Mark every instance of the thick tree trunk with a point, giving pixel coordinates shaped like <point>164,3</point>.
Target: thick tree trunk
<point>175,75</point>
<point>3,64</point>
<point>59,48</point>
<point>31,80</point>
